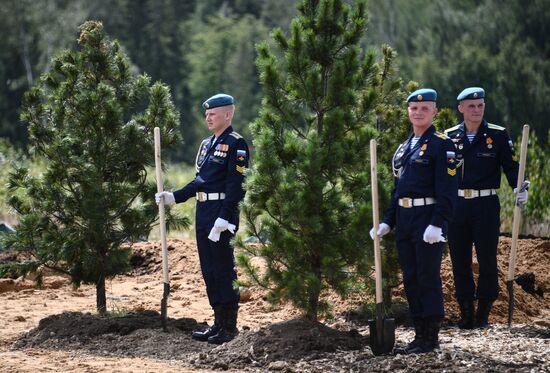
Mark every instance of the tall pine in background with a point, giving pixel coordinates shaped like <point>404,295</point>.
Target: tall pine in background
<point>94,194</point>
<point>308,194</point>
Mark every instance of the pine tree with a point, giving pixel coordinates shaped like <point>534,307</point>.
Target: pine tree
<point>308,194</point>
<point>94,195</point>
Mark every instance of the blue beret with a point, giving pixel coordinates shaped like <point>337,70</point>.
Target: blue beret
<point>472,93</point>
<point>423,94</point>
<point>221,99</point>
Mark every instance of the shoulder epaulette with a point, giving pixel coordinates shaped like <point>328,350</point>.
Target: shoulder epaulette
<point>495,127</point>
<point>235,135</point>
<point>452,128</point>
<point>441,135</point>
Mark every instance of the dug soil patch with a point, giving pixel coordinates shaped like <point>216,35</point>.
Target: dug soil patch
<point>141,335</point>
<point>51,328</point>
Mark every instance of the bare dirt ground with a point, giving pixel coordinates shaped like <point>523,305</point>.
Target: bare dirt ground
<point>54,329</point>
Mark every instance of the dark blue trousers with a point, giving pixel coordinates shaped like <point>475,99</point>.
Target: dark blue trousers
<point>476,222</point>
<point>420,263</point>
<point>216,258</point>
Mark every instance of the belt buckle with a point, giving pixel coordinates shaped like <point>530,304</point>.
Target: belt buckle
<point>468,193</point>
<point>201,196</point>
<point>407,202</point>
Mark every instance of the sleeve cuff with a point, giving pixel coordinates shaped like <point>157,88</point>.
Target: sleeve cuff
<point>389,223</point>
<point>225,214</point>
<point>181,196</point>
<point>437,221</point>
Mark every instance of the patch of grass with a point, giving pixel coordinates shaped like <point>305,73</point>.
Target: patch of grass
<point>117,311</point>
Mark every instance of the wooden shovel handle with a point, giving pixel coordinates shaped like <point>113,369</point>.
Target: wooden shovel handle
<point>517,209</point>
<point>374,190</point>
<point>162,218</point>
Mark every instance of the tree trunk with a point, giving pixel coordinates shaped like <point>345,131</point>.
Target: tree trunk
<point>101,299</point>
<point>315,293</point>
<point>313,306</point>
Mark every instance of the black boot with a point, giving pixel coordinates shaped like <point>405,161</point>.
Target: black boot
<point>430,340</point>
<point>203,335</point>
<point>466,314</point>
<point>482,314</point>
<point>432,335</point>
<point>418,336</point>
<point>229,329</point>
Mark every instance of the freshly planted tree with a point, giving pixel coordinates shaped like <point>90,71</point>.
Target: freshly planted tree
<point>94,194</point>
<point>308,194</point>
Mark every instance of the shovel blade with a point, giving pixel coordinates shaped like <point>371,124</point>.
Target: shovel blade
<point>382,338</point>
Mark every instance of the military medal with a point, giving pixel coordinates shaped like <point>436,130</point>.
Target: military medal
<point>423,149</point>
<point>489,142</point>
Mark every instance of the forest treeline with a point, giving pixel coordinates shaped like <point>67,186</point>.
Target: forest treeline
<point>200,48</point>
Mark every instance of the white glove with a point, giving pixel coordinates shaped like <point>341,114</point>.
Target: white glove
<point>220,225</point>
<point>168,198</point>
<point>433,234</point>
<point>383,229</point>
<point>522,196</point>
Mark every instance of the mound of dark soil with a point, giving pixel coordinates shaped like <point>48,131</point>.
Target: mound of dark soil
<point>288,341</point>
<point>140,334</point>
<point>83,327</point>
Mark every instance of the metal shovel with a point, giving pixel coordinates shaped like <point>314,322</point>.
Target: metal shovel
<point>382,329</point>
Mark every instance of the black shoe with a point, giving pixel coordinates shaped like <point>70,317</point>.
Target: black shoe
<point>223,336</point>
<point>466,314</point>
<point>228,330</point>
<point>203,335</point>
<point>482,315</point>
<point>422,348</point>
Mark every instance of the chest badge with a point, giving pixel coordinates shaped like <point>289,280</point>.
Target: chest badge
<point>423,149</point>
<point>489,142</point>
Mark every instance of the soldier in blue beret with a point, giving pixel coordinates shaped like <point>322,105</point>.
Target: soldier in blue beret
<point>421,207</point>
<point>221,163</point>
<point>482,149</point>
